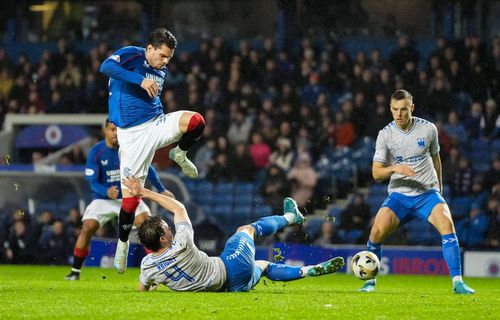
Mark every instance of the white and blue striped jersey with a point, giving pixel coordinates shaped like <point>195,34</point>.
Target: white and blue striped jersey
<point>183,267</point>
<point>414,148</point>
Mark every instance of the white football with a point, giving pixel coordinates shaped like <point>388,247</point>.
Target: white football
<point>365,265</point>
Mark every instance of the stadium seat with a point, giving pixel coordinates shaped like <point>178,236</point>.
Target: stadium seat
<point>337,214</point>
<point>223,210</point>
<point>243,198</point>
<point>205,187</point>
<point>224,188</point>
<point>460,207</point>
<point>244,188</point>
<point>223,198</point>
<point>313,227</point>
<point>378,189</point>
<point>204,198</point>
<point>243,211</point>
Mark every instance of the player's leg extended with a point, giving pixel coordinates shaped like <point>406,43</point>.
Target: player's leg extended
<point>269,225</point>
<point>82,248</point>
<point>385,222</point>
<point>191,126</point>
<point>283,272</point>
<point>440,218</point>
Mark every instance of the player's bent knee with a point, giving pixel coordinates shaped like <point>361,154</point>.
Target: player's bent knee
<point>248,229</point>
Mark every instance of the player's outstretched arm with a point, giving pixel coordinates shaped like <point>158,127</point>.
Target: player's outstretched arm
<point>381,172</point>
<point>172,205</point>
<point>436,160</point>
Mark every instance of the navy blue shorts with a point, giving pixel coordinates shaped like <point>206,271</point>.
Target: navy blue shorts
<point>407,208</point>
<point>239,258</point>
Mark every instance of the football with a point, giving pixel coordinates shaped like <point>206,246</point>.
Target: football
<point>365,265</point>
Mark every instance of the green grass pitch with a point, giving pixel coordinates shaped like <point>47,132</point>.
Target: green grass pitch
<point>40,292</point>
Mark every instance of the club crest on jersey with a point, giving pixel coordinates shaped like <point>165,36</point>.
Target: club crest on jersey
<point>421,142</point>
<point>126,172</point>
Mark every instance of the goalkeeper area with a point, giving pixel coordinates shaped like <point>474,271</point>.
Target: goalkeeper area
<point>39,292</point>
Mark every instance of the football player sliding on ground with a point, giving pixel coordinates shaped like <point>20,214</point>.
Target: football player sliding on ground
<point>176,262</point>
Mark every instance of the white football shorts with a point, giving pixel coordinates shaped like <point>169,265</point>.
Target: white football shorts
<point>138,144</point>
<point>104,210</point>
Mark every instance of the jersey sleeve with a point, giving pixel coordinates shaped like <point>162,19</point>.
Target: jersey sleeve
<point>434,141</point>
<point>92,174</point>
<point>155,179</point>
<point>117,65</point>
<point>184,234</point>
<point>381,150</point>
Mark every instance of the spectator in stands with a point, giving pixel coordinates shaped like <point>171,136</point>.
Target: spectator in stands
<point>275,187</point>
<point>54,245</point>
<point>239,129</point>
<point>260,151</point>
<point>303,179</point>
<point>20,245</point>
<point>242,165</point>
<point>283,155</point>
<point>472,122</point>
<point>204,156</point>
<point>73,224</point>
<point>493,213</point>
<point>479,194</point>
<point>219,170</point>
<point>342,131</point>
<point>43,223</point>
<point>378,120</point>
<point>472,230</point>
<point>490,122</point>
<point>327,234</point>
<point>454,129</point>
<point>463,179</point>
<point>355,217</point>
<point>406,52</point>
<point>492,176</point>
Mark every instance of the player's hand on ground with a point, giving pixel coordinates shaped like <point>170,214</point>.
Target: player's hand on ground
<point>151,87</point>
<point>168,194</point>
<point>134,186</point>
<point>404,170</point>
<point>113,192</point>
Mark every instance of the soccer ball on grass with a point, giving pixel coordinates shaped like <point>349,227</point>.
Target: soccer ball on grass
<point>365,265</point>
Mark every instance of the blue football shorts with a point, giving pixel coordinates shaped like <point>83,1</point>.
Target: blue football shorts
<point>408,208</point>
<point>239,258</point>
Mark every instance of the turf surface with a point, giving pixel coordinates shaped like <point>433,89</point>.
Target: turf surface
<point>40,292</point>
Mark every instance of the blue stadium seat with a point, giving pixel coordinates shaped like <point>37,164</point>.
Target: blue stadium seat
<point>337,214</point>
<point>205,187</point>
<point>223,210</point>
<point>243,198</point>
<point>313,227</point>
<point>223,198</point>
<point>207,209</point>
<point>262,211</point>
<point>224,188</point>
<point>204,198</point>
<point>378,189</point>
<point>460,207</point>
<point>375,201</point>
<point>244,188</point>
<point>495,147</point>
<point>243,211</point>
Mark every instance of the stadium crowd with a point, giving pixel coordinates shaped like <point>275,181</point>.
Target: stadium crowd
<point>272,116</point>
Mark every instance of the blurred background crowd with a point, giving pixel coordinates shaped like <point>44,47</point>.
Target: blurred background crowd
<point>295,118</point>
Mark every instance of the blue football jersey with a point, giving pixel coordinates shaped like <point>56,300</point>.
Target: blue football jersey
<point>129,104</point>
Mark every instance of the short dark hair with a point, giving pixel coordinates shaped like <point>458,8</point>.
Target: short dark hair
<point>150,233</point>
<point>401,94</point>
<point>162,36</point>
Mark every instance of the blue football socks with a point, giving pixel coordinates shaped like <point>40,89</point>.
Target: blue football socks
<point>283,272</point>
<point>451,254</point>
<point>269,225</point>
<point>375,248</point>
